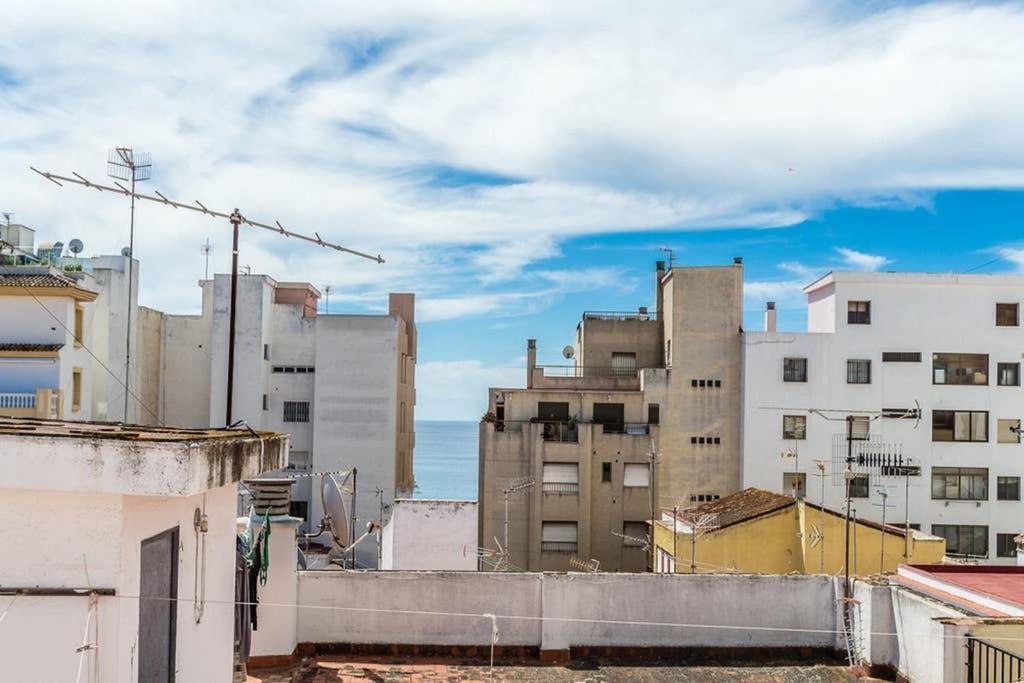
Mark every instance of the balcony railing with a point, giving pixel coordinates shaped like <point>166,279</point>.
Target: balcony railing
<point>629,428</point>
<point>559,487</point>
<point>560,431</point>
<point>558,546</point>
<point>17,401</point>
<point>620,315</point>
<point>587,371</point>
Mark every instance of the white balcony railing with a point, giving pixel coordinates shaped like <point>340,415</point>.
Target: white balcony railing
<point>14,401</point>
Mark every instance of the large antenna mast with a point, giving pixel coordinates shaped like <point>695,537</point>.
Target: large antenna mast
<point>123,163</point>
<point>235,218</point>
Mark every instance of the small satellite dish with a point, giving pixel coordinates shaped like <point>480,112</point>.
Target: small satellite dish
<point>76,246</point>
<point>335,501</point>
<point>126,251</point>
<point>568,352</point>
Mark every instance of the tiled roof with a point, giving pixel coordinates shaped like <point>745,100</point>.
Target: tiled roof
<point>31,347</point>
<point>744,505</point>
<point>32,427</point>
<point>35,279</point>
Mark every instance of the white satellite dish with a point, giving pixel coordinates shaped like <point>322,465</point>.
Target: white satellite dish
<point>76,246</point>
<point>334,499</point>
<point>125,251</point>
<point>568,352</point>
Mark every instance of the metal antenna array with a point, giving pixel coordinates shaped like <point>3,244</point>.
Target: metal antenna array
<point>206,249</point>
<point>236,218</point>
<point>123,163</point>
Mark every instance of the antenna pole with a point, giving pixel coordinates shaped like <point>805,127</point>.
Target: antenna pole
<point>131,274</point>
<point>353,518</point>
<point>236,219</point>
<point>906,516</point>
<point>675,518</point>
<point>849,479</point>
<point>881,552</point>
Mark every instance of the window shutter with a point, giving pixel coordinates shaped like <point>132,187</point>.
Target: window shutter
<point>561,473</point>
<point>636,475</point>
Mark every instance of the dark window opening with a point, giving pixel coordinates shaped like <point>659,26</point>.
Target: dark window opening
<point>1008,374</point>
<point>653,414</point>
<point>963,539</point>
<point>1007,315</point>
<point>901,356</point>
<point>858,371</point>
<point>299,508</point>
<point>1007,488</point>
<point>611,416</point>
<point>606,471</point>
<point>1005,545</point>
<point>959,425</point>
<point>959,483</point>
<point>548,411</point>
<point>794,370</point>
<point>858,312</point>
<point>860,486</point>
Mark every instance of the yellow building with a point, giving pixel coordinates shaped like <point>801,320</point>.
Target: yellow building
<point>760,532</point>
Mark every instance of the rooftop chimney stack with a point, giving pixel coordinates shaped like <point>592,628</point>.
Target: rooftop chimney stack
<point>531,361</point>
<point>769,317</point>
<point>737,260</point>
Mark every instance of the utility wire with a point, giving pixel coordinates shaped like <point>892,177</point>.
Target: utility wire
<point>95,357</point>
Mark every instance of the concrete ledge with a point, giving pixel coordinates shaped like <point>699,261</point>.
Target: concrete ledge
<point>272,661</point>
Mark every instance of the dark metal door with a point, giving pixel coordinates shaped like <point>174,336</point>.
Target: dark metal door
<point>158,593</point>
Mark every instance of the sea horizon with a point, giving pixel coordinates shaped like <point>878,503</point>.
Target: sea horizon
<point>445,459</point>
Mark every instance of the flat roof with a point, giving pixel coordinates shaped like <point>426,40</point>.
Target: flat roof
<point>914,278</point>
<point>991,590</point>
<point>32,427</point>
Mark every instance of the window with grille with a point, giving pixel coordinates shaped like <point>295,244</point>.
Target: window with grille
<point>1007,315</point>
<point>558,537</point>
<point>959,483</point>
<point>858,312</point>
<point>901,356</point>
<point>960,368</point>
<point>963,539</point>
<point>794,426</point>
<point>959,425</point>
<point>1007,488</point>
<point>653,413</point>
<point>860,486</point>
<point>794,370</point>
<point>623,364</point>
<point>296,411</point>
<point>858,371</point>
<point>1008,374</point>
<point>561,477</point>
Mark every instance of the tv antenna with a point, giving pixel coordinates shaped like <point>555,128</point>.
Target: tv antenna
<point>327,302</point>
<point>7,217</point>
<point>236,218</point>
<point>124,163</point>
<point>671,255</point>
<point>206,248</point>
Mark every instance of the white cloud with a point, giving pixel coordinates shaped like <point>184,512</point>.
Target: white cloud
<point>466,141</point>
<point>1014,255</point>
<point>457,390</point>
<point>858,260</point>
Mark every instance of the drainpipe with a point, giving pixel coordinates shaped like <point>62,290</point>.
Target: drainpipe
<point>531,361</point>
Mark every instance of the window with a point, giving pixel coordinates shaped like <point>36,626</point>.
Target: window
<point>1005,545</point>
<point>860,428</point>
<point>606,471</point>
<point>561,477</point>
<point>901,356</point>
<point>653,413</point>
<point>636,475</point>
<point>960,368</point>
<point>1007,488</point>
<point>79,325</point>
<point>635,534</point>
<point>1008,431</point>
<point>794,426</point>
<point>1008,374</point>
<point>860,486</point>
<point>265,401</point>
<point>299,508</point>
<point>76,389</point>
<point>668,353</point>
<point>293,369</point>
<point>1007,315</point>
<point>558,537</point>
<point>296,411</point>
<point>266,352</point>
<point>298,460</point>
<point>858,312</point>
<point>552,412</point>
<point>794,370</point>
<point>703,497</point>
<point>959,483</point>
<point>962,539</point>
<point>611,417</point>
<point>858,371</point>
<point>794,484</point>
<point>959,425</point>
<point>623,364</point>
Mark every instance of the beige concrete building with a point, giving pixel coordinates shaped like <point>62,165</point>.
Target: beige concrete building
<point>646,415</point>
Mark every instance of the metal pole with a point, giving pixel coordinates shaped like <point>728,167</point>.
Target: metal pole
<point>236,219</point>
<point>881,553</point>
<point>906,516</point>
<point>822,541</point>
<point>128,325</point>
<point>675,555</point>
<point>693,547</point>
<point>507,553</point>
<point>380,546</point>
<point>355,489</point>
<point>849,478</point>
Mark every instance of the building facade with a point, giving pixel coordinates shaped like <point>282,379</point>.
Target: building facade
<point>930,367</point>
<point>647,414</point>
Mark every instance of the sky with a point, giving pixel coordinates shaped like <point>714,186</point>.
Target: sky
<point>517,163</point>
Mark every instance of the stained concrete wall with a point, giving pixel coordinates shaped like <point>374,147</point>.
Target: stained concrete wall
<point>557,611</point>
<point>431,534</point>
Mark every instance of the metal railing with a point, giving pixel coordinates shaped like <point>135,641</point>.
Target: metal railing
<point>560,431</point>
<point>580,371</point>
<point>987,663</point>
<point>620,315</point>
<point>560,487</point>
<point>558,546</point>
<point>629,428</point>
<point>17,400</point>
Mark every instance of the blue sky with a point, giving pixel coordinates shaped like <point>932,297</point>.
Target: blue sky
<point>519,162</point>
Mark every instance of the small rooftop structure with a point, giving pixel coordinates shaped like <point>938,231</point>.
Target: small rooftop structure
<point>989,591</point>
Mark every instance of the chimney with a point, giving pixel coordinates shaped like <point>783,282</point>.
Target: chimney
<point>769,317</point>
<point>659,299</point>
<point>737,260</point>
<point>531,361</point>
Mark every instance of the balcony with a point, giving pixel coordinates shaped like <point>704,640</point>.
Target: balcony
<point>628,428</point>
<point>564,488</point>
<point>44,403</point>
<point>565,432</point>
<point>577,377</point>
<point>12,401</point>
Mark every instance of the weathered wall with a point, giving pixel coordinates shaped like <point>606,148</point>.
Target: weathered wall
<point>431,534</point>
<point>598,339</point>
<point>149,363</point>
<point>549,605</point>
<point>278,616</point>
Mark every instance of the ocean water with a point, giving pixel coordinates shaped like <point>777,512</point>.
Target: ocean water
<point>445,461</point>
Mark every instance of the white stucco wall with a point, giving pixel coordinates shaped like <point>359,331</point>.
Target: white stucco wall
<point>431,534</point>
<point>929,314</point>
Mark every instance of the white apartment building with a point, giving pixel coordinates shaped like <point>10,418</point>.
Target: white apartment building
<point>880,346</point>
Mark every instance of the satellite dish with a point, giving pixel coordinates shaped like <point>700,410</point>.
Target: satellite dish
<point>568,352</point>
<point>126,251</point>
<point>76,246</point>
<point>335,500</point>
